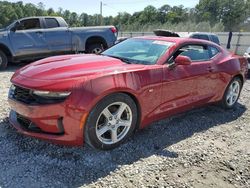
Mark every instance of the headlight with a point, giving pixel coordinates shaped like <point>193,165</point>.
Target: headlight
<point>51,95</point>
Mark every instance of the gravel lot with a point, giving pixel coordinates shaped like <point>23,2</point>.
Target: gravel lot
<point>207,147</point>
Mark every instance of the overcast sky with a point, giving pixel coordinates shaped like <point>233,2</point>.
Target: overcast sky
<point>110,7</point>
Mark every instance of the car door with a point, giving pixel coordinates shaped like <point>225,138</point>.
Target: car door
<point>27,38</point>
<point>202,71</point>
<point>185,86</point>
<point>58,38</point>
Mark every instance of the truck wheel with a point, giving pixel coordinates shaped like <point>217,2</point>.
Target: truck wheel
<point>95,48</point>
<point>3,60</point>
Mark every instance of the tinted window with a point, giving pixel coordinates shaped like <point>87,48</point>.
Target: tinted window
<point>51,22</point>
<point>213,51</point>
<point>215,39</point>
<point>204,37</point>
<point>29,24</point>
<point>195,52</point>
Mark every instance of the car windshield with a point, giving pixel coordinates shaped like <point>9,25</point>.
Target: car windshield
<point>139,51</point>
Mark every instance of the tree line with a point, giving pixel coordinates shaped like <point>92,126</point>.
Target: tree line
<point>207,15</point>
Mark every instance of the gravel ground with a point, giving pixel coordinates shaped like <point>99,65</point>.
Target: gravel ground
<point>206,147</point>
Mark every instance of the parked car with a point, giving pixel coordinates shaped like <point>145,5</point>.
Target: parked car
<point>247,55</point>
<point>38,37</point>
<point>102,99</point>
<point>165,33</point>
<point>205,36</point>
<point>157,32</point>
<point>196,35</point>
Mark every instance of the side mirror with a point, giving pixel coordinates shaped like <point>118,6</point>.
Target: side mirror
<point>14,28</point>
<point>183,60</point>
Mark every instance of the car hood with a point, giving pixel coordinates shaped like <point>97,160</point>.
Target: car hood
<point>75,66</point>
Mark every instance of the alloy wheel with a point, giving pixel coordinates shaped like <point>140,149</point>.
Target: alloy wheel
<point>97,50</point>
<point>233,93</point>
<point>114,123</point>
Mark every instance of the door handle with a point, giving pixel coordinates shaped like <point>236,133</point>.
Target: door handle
<point>39,32</point>
<point>210,69</point>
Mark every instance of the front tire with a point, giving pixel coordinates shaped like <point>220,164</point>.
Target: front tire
<point>3,60</point>
<point>111,122</point>
<point>232,93</point>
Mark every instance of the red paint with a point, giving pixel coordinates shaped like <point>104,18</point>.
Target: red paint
<point>160,90</point>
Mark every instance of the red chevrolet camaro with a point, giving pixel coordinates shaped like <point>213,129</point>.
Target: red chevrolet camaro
<point>102,99</point>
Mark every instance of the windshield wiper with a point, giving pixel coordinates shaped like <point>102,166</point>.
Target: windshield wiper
<point>125,60</point>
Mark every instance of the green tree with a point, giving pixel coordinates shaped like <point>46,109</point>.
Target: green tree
<point>177,14</point>
<point>232,14</point>
<point>209,10</point>
<point>208,15</point>
<point>149,14</point>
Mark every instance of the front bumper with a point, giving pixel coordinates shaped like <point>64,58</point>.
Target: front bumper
<point>57,123</point>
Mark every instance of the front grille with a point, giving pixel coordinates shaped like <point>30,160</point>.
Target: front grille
<point>23,95</point>
<point>27,124</point>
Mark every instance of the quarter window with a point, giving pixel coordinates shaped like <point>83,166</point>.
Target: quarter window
<point>213,51</point>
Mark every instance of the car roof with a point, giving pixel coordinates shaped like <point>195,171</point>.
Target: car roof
<point>202,33</point>
<point>37,17</point>
<point>177,40</point>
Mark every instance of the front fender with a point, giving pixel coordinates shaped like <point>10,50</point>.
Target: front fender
<point>94,90</point>
<point>5,43</point>
<point>144,85</point>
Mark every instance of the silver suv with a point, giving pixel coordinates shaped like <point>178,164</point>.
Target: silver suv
<point>205,36</point>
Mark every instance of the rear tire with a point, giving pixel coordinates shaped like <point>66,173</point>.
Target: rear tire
<point>232,93</point>
<point>3,60</point>
<point>95,48</point>
<point>111,122</point>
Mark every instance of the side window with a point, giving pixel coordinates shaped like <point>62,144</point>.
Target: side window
<point>29,24</point>
<point>51,22</point>
<point>215,39</point>
<point>213,51</point>
<point>195,52</point>
<point>204,37</point>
